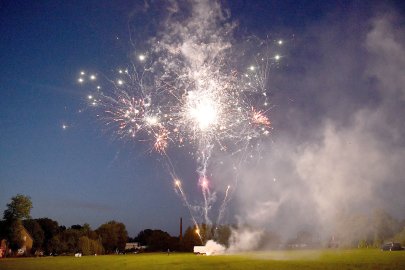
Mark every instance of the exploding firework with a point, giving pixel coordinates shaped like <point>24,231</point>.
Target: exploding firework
<point>188,90</point>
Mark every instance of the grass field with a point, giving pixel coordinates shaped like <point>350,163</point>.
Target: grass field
<point>321,259</point>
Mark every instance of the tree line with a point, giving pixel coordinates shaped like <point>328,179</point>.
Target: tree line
<point>51,238</point>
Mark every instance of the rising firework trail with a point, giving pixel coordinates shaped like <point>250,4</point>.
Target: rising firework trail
<point>223,205</point>
<point>177,183</point>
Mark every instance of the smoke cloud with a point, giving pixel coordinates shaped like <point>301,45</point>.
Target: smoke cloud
<point>339,146</point>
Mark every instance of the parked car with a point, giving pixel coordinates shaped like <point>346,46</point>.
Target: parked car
<point>391,246</point>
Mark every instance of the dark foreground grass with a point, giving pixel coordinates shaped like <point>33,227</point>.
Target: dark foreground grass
<point>309,259</point>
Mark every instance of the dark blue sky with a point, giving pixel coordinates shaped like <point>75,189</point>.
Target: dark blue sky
<point>81,174</point>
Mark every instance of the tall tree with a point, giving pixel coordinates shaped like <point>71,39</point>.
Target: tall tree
<point>51,230</point>
<point>70,240</point>
<point>114,236</point>
<point>19,208</point>
<point>159,241</point>
<point>90,246</point>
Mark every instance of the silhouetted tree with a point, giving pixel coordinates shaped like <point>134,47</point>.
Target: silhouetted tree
<point>19,208</point>
<point>159,241</point>
<point>76,227</point>
<point>70,240</point>
<point>132,239</point>
<point>54,245</point>
<point>51,229</point>
<point>113,236</point>
<point>143,236</point>
<point>90,246</point>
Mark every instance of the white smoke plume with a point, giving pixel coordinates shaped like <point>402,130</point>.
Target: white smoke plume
<point>344,148</point>
<point>244,239</point>
<point>213,248</point>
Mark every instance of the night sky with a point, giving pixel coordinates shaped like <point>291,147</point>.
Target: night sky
<point>338,114</point>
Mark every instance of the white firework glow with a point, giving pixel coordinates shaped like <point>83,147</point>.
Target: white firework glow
<point>202,110</point>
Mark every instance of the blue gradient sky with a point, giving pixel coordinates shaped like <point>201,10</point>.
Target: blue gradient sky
<point>81,174</point>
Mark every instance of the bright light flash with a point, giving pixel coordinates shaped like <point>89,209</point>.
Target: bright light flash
<point>205,115</point>
<point>80,80</point>
<point>277,57</point>
<point>90,97</point>
<point>252,68</point>
<point>120,82</point>
<point>204,183</point>
<point>141,57</point>
<point>92,77</point>
<point>151,120</point>
<point>280,42</point>
<point>203,111</point>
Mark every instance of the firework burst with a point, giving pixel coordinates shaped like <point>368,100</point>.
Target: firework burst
<point>188,90</point>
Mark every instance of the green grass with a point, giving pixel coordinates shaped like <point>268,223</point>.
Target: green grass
<point>308,259</point>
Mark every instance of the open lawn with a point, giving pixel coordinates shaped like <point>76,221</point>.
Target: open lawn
<point>308,259</point>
